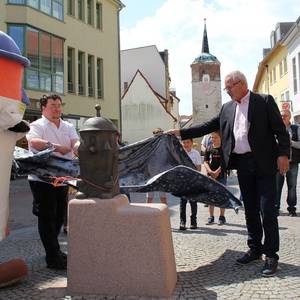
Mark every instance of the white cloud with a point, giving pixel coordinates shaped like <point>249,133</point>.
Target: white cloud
<point>238,30</point>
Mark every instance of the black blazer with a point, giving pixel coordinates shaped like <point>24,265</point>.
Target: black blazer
<point>267,135</point>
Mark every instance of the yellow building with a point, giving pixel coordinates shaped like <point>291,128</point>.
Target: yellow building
<point>272,75</point>
<point>73,46</point>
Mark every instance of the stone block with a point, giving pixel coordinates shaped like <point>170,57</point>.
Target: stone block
<point>117,248</point>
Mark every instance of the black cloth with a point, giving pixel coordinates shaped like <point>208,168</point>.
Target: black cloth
<point>267,135</point>
<point>156,164</point>
<point>213,156</point>
<point>185,182</point>
<point>49,204</point>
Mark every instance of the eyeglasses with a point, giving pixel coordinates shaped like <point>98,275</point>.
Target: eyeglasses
<point>229,88</point>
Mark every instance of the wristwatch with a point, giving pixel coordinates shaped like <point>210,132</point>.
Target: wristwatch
<point>49,145</point>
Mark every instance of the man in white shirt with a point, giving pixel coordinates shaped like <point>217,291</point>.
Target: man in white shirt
<point>195,157</point>
<point>49,202</point>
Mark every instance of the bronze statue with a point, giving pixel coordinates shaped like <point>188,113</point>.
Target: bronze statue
<point>98,158</point>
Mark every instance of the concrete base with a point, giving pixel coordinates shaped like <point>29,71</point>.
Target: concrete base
<point>117,248</point>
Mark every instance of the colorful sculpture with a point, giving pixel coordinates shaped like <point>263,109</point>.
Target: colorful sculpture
<point>12,128</point>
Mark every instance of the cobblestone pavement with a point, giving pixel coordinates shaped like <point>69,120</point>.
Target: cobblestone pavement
<point>205,260</point>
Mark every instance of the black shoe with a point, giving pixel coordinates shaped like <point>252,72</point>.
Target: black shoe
<point>193,226</point>
<point>182,226</point>
<point>270,267</point>
<point>56,263</point>
<point>210,220</point>
<point>248,257</point>
<point>292,214</point>
<point>222,220</point>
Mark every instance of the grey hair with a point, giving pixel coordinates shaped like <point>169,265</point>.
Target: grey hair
<point>236,76</point>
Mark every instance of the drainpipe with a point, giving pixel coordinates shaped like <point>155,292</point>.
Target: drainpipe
<point>119,63</point>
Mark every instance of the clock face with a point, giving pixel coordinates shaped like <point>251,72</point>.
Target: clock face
<point>206,85</point>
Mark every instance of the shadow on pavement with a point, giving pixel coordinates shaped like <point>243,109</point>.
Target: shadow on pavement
<point>205,276</point>
<point>215,230</point>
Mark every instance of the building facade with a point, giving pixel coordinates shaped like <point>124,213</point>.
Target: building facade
<point>292,44</point>
<point>272,75</point>
<point>73,46</point>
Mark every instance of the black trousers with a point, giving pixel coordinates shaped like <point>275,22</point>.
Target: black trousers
<point>49,204</point>
<point>183,202</point>
<point>259,198</point>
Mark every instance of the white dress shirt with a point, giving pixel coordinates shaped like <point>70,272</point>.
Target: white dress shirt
<point>241,126</point>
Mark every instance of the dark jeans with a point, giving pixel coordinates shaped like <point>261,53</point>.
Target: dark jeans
<point>49,204</point>
<point>259,194</point>
<point>183,202</point>
<point>291,180</point>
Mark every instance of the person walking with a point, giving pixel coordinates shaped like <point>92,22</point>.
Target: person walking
<point>256,143</point>
<point>292,174</point>
<point>195,157</point>
<point>49,202</point>
<point>212,164</point>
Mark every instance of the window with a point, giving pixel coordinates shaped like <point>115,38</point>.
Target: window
<point>54,8</point>
<point>100,78</point>
<point>99,15</point>
<point>281,68</point>
<point>81,10</point>
<point>70,70</point>
<point>46,6</point>
<point>271,78</point>
<point>287,95</point>
<point>32,41</point>
<point>71,7</point>
<point>284,66</point>
<point>33,3</point>
<point>90,12</point>
<point>81,73</point>
<point>58,64</point>
<point>294,75</point>
<point>17,33</point>
<point>299,69</point>
<point>58,9</point>
<point>16,2</point>
<point>90,75</point>
<point>274,74</point>
<point>45,52</point>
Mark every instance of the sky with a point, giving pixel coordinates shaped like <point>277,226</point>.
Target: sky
<point>238,30</point>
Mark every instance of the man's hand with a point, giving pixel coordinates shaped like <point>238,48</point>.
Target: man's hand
<point>61,149</point>
<point>175,132</point>
<point>283,164</point>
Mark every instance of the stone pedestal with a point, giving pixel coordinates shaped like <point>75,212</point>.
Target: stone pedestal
<point>117,248</point>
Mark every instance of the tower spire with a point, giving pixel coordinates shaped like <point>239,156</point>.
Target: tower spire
<point>205,48</point>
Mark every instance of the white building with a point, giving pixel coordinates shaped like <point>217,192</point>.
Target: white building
<point>152,63</point>
<point>144,109</point>
<point>292,43</point>
<point>147,101</point>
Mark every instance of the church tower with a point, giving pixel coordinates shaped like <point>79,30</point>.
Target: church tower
<point>206,84</point>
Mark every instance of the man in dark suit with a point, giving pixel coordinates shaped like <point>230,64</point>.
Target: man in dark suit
<point>256,143</point>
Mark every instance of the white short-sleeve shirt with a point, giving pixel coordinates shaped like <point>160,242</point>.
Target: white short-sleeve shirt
<point>46,130</point>
<point>195,157</point>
